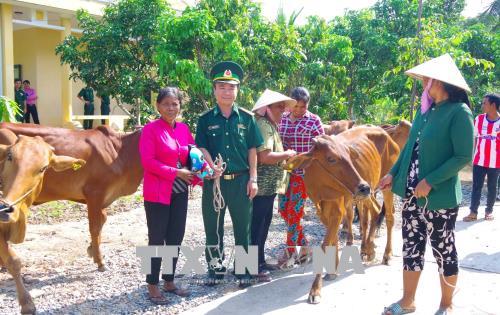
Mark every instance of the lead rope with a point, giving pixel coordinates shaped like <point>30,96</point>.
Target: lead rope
<point>6,205</point>
<point>219,204</point>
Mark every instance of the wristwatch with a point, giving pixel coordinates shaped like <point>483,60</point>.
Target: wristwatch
<point>253,180</point>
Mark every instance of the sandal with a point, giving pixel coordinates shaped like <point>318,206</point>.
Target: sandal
<point>488,216</point>
<point>396,309</point>
<point>471,217</point>
<point>304,257</point>
<point>441,311</point>
<point>178,291</point>
<point>158,300</point>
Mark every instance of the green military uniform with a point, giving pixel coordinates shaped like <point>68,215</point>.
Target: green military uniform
<point>231,138</point>
<point>20,98</point>
<point>104,107</point>
<point>88,109</point>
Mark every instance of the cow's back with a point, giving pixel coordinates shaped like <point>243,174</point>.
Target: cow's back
<point>106,162</point>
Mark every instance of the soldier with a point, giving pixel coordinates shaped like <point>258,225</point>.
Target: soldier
<point>230,131</point>
<point>104,106</point>
<point>87,95</point>
<point>20,98</point>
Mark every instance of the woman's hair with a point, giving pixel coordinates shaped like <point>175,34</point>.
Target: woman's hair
<point>171,91</point>
<point>456,94</point>
<point>300,94</point>
<point>493,98</point>
<point>27,81</point>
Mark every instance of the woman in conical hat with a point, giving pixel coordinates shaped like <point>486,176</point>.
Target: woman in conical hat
<point>426,177</point>
<point>271,177</point>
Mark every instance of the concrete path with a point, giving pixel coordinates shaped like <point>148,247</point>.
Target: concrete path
<point>478,289</point>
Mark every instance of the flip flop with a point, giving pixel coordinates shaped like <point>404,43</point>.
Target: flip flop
<point>158,300</point>
<point>396,309</point>
<point>178,291</point>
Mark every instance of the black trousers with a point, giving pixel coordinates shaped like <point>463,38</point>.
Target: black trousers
<point>166,226</point>
<point>31,110</point>
<point>104,111</point>
<point>478,174</point>
<point>88,109</point>
<point>261,220</point>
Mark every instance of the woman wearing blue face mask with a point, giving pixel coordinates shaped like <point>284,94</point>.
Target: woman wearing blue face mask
<point>426,177</point>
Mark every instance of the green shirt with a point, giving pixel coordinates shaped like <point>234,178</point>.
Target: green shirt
<point>20,97</point>
<point>445,146</point>
<point>231,137</point>
<point>271,179</point>
<point>87,94</point>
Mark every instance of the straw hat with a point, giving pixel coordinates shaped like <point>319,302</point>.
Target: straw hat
<point>442,68</point>
<point>270,97</point>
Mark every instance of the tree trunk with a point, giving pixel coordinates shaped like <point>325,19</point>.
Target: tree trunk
<point>419,47</point>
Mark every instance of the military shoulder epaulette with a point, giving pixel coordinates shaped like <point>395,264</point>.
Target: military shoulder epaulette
<point>246,111</point>
<point>206,112</point>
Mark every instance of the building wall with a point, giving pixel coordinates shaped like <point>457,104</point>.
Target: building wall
<point>34,49</point>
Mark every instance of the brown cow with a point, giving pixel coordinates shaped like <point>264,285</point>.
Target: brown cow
<point>113,170</point>
<point>22,170</point>
<point>337,126</point>
<point>345,169</point>
<point>399,133</point>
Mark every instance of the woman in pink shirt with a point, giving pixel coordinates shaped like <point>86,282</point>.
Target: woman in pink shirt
<point>164,152</point>
<point>31,98</point>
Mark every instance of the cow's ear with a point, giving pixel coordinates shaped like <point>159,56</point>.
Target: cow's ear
<point>61,163</point>
<point>298,161</point>
<point>3,151</point>
<point>351,123</point>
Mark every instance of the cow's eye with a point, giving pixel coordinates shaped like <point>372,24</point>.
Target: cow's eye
<point>331,160</point>
<point>43,169</point>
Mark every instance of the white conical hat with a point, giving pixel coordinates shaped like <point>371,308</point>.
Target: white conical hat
<point>270,97</point>
<point>442,68</point>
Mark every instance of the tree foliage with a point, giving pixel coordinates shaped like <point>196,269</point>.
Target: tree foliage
<point>353,65</point>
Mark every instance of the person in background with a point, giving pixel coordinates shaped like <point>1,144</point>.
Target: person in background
<point>87,96</point>
<point>425,175</point>
<point>271,178</point>
<point>297,129</point>
<point>20,98</point>
<point>31,98</point>
<point>164,154</point>
<point>487,156</point>
<point>104,106</point>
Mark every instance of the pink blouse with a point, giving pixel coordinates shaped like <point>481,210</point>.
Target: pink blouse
<point>159,153</point>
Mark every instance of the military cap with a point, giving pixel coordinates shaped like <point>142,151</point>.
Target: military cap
<point>227,72</point>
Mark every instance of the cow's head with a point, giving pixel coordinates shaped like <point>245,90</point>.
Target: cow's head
<point>399,133</point>
<point>22,167</point>
<point>338,126</point>
<point>335,160</point>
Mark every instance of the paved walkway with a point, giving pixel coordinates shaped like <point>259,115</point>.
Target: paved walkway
<point>478,289</point>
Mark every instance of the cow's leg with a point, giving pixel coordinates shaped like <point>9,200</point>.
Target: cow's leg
<point>13,264</point>
<point>349,217</point>
<point>389,217</point>
<point>97,218</point>
<point>332,213</point>
<point>372,208</point>
<point>363,227</point>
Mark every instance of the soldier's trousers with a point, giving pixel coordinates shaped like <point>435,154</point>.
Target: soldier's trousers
<point>240,208</point>
<point>88,109</point>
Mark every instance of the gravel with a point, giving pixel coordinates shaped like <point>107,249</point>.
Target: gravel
<point>62,279</point>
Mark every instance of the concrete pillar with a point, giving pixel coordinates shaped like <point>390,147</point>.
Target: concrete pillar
<point>66,86</point>
<point>7,50</point>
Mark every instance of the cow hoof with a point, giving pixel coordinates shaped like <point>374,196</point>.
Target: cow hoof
<point>314,299</point>
<point>386,261</point>
<point>102,268</point>
<point>329,277</point>
<point>28,309</point>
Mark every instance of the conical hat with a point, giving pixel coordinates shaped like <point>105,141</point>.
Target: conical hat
<point>442,68</point>
<point>270,97</point>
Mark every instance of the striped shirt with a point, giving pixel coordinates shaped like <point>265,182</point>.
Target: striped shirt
<point>487,142</point>
<point>298,135</point>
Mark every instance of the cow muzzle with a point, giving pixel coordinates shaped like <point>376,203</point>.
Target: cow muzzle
<point>363,191</point>
<point>5,211</point>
